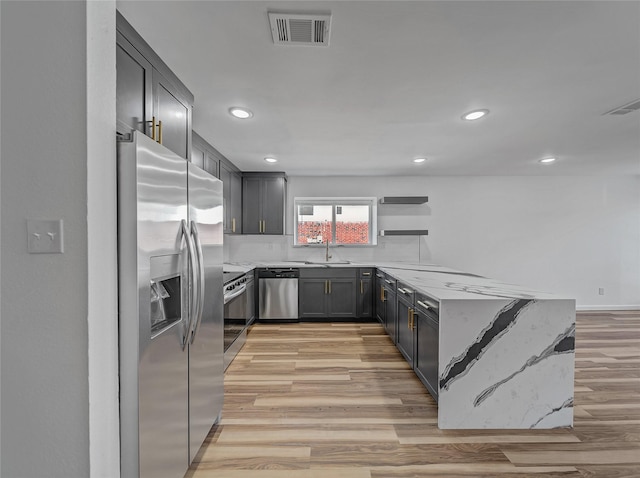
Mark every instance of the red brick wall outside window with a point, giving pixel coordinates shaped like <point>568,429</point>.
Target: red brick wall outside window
<point>346,232</point>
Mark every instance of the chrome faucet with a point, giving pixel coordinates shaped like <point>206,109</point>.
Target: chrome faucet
<point>327,256</point>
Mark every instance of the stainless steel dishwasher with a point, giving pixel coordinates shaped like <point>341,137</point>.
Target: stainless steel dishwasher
<point>278,294</point>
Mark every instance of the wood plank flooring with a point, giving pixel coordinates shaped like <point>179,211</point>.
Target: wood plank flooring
<point>320,400</point>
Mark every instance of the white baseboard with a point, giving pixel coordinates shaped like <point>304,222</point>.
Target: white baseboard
<point>586,308</point>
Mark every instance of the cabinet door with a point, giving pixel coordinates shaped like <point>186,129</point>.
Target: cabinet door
<point>312,298</point>
<point>391,315</point>
<point>174,113</point>
<point>210,164</point>
<point>232,199</point>
<point>225,177</point>
<point>252,202</point>
<point>236,203</point>
<point>365,298</point>
<point>379,299</point>
<point>342,298</point>
<point>197,156</point>
<point>426,353</point>
<point>133,89</point>
<point>272,205</point>
<point>405,331</point>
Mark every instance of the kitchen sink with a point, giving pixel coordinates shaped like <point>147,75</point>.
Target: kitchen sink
<point>320,263</point>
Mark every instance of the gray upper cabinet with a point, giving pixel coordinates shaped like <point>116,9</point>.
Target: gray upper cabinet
<point>263,203</point>
<point>149,96</point>
<point>172,111</point>
<point>204,155</point>
<point>197,153</point>
<point>212,164</point>
<point>232,197</point>
<point>134,102</point>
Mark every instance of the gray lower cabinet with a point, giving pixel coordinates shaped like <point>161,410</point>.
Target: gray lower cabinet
<point>379,298</point>
<point>411,319</point>
<point>391,314</point>
<point>327,293</point>
<point>389,304</point>
<point>312,298</point>
<point>263,203</point>
<point>427,344</point>
<point>232,198</point>
<point>364,306</point>
<point>341,299</point>
<point>149,96</point>
<point>406,322</point>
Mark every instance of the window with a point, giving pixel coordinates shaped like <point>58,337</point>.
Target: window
<point>341,221</point>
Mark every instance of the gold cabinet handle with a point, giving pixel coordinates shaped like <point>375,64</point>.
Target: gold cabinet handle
<point>233,225</point>
<point>361,287</point>
<point>325,286</point>
<point>329,281</point>
<point>409,318</point>
<point>382,291</point>
<point>159,131</point>
<point>153,128</point>
<point>413,319</point>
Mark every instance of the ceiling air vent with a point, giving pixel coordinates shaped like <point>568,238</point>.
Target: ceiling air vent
<point>623,110</point>
<point>300,29</point>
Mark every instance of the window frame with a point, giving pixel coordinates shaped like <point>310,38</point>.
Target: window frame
<point>371,202</point>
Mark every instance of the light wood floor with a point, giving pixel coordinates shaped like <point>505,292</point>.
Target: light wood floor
<point>338,401</point>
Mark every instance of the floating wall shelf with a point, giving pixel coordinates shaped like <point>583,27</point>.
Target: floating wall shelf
<point>404,199</point>
<point>404,232</point>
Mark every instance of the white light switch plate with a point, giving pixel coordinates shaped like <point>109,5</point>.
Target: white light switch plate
<point>45,236</point>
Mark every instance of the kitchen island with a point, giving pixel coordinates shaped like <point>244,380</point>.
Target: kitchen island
<point>505,353</point>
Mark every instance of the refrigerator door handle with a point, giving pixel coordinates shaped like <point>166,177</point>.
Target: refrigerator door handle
<point>192,288</point>
<point>200,260</point>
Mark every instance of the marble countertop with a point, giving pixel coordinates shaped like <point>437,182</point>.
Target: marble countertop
<point>440,283</point>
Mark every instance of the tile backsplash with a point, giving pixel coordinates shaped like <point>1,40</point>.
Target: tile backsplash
<point>241,248</point>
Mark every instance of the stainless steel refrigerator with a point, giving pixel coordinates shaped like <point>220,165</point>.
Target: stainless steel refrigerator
<point>170,308</point>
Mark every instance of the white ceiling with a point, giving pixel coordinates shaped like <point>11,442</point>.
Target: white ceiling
<point>398,75</point>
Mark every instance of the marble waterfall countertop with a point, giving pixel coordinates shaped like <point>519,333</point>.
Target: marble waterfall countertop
<point>438,282</point>
<point>506,353</point>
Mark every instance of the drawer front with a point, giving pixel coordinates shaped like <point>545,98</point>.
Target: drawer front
<point>427,306</point>
<point>389,282</point>
<point>328,272</point>
<point>406,292</point>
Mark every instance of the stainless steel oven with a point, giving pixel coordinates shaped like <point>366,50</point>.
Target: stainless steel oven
<point>238,312</point>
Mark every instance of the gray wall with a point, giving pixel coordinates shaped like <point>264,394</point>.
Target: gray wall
<point>45,392</point>
<point>564,235</point>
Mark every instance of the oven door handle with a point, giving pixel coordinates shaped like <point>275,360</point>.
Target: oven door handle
<point>240,291</point>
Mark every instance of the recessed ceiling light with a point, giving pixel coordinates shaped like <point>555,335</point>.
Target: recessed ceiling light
<point>270,160</point>
<point>475,114</point>
<point>547,160</point>
<point>419,160</point>
<point>241,113</point>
